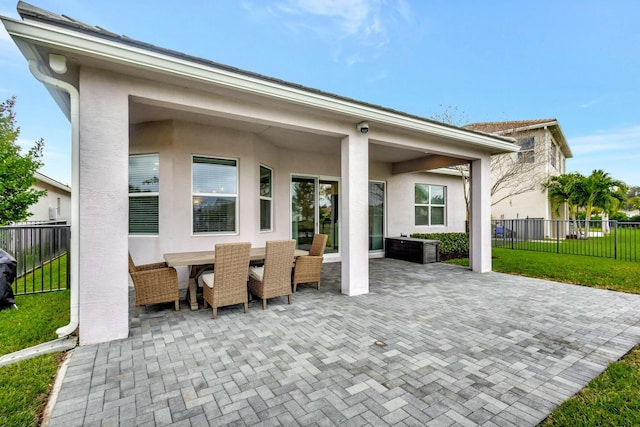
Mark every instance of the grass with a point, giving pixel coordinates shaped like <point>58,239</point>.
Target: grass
<point>604,273</point>
<point>624,245</point>
<point>52,276</point>
<point>34,322</point>
<point>611,399</point>
<point>25,386</point>
<point>24,389</point>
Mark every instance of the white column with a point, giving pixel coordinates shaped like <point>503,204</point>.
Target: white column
<point>480,224</point>
<point>104,198</point>
<point>355,214</point>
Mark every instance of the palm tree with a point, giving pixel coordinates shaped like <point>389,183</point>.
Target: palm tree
<point>563,189</point>
<point>599,190</point>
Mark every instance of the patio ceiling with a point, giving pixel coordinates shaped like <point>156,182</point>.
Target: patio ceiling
<point>281,137</point>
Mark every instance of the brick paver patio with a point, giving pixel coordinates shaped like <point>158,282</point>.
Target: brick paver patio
<point>433,345</point>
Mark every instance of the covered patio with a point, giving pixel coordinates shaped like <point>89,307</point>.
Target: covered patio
<point>430,344</point>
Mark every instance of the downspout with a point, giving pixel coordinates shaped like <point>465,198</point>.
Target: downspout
<point>58,64</point>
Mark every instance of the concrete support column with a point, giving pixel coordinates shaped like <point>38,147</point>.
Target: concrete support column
<point>355,214</point>
<point>104,201</point>
<point>480,224</point>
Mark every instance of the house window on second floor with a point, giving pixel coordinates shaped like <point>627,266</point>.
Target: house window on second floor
<point>430,203</point>
<point>266,198</point>
<point>144,190</point>
<point>527,150</point>
<point>553,155</point>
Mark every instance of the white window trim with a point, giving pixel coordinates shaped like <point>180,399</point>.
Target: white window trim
<point>236,195</point>
<point>270,229</point>
<point>430,205</point>
<point>147,194</point>
<point>385,213</point>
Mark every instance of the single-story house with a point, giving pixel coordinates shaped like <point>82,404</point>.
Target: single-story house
<point>177,153</point>
<point>55,206</point>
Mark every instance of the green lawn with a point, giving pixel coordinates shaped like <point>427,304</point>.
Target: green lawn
<point>52,276</point>
<point>25,386</point>
<point>34,322</point>
<point>624,245</point>
<point>613,398</point>
<point>24,389</point>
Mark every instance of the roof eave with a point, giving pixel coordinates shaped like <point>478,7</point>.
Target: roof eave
<point>65,39</point>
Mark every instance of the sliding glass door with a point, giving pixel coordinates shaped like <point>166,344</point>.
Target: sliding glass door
<point>314,209</point>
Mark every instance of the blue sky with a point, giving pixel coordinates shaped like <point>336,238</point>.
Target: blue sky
<point>574,60</point>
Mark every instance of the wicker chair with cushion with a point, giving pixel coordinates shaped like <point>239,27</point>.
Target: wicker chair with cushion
<point>154,283</point>
<point>309,267</point>
<point>274,278</point>
<point>227,285</point>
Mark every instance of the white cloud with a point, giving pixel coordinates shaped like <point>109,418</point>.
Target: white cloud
<point>589,104</point>
<point>356,25</point>
<point>613,150</point>
<point>623,140</point>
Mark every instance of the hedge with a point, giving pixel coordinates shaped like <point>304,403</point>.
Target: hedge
<point>452,245</point>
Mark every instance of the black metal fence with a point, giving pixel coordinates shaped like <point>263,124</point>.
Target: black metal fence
<point>607,239</point>
<point>42,255</point>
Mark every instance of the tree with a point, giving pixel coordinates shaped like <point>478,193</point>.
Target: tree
<point>596,191</point>
<point>633,198</point>
<point>16,169</point>
<point>508,169</point>
<point>452,116</point>
<point>600,190</point>
<point>561,189</point>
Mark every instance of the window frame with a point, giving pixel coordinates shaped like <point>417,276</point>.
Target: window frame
<point>235,195</point>
<point>155,194</point>
<point>384,213</point>
<point>266,198</point>
<point>527,155</point>
<point>430,205</point>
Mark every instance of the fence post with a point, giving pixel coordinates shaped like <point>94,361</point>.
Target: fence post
<point>558,236</point>
<point>615,239</point>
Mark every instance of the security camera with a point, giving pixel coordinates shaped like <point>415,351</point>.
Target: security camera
<point>363,127</point>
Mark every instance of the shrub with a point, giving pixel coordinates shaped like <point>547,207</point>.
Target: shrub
<point>452,245</point>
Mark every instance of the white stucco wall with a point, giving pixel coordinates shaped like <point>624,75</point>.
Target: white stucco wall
<point>531,204</point>
<point>40,210</point>
<point>401,200</point>
<point>104,135</point>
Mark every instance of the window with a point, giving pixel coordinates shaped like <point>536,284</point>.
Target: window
<point>376,215</point>
<point>430,202</point>
<point>144,187</point>
<point>527,150</point>
<point>553,155</point>
<point>214,195</point>
<point>266,198</point>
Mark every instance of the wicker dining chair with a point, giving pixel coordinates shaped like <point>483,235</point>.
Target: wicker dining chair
<point>227,285</point>
<point>153,284</point>
<point>274,278</point>
<point>308,267</point>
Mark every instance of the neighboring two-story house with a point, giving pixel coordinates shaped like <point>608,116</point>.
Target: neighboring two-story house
<point>517,177</point>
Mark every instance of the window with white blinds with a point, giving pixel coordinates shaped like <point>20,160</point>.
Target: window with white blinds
<point>214,195</point>
<point>144,190</point>
<point>266,198</point>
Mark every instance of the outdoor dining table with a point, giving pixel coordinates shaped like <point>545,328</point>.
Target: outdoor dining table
<point>200,261</point>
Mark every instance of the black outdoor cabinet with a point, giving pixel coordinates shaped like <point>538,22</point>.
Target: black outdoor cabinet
<point>422,251</point>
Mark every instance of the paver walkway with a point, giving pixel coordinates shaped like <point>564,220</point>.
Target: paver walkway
<point>455,348</point>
